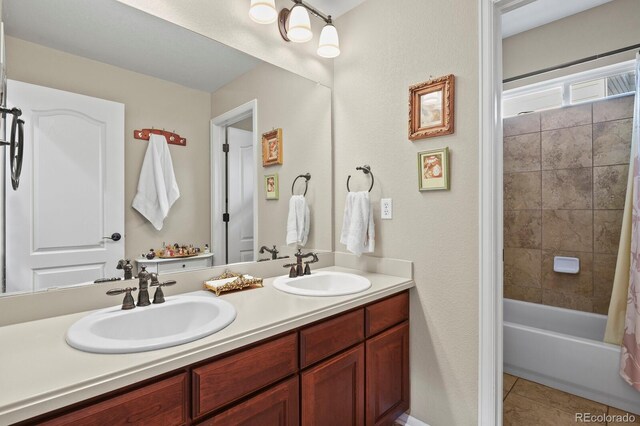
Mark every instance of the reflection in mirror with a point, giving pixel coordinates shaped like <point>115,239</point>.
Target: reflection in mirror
<point>88,75</point>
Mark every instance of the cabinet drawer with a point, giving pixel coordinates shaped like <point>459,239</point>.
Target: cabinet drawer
<point>329,337</point>
<point>184,265</point>
<point>225,380</point>
<point>387,313</point>
<point>277,406</point>
<point>161,403</point>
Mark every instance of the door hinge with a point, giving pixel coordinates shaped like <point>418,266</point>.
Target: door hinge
<point>225,217</point>
<point>225,147</point>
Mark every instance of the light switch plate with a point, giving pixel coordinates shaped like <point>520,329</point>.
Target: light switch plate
<point>386,208</point>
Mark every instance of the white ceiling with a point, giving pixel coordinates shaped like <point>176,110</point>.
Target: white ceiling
<point>111,32</point>
<point>335,8</point>
<point>541,12</point>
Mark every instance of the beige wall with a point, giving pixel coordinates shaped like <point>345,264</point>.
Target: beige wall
<point>148,102</point>
<point>228,22</point>
<point>387,50</point>
<point>302,109</point>
<point>607,27</point>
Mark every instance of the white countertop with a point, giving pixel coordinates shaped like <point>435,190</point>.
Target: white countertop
<point>39,372</point>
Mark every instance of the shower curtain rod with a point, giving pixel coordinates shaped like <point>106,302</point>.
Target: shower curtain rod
<point>572,63</point>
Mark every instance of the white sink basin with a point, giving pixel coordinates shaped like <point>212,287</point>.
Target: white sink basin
<point>181,319</point>
<point>323,283</point>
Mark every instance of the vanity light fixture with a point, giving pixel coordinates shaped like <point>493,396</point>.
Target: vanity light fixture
<point>329,46</point>
<point>263,11</point>
<point>299,24</point>
<point>295,25</point>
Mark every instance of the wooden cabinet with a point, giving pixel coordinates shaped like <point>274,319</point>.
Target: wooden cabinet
<point>351,369</point>
<point>278,406</point>
<point>387,375</point>
<point>387,313</point>
<point>333,391</point>
<point>330,336</point>
<point>221,382</point>
<point>161,403</point>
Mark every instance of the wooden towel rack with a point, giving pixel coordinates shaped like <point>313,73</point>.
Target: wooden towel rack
<point>172,138</point>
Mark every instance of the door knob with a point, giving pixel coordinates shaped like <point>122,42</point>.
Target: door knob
<point>115,237</point>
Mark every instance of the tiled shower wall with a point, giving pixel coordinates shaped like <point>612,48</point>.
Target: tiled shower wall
<point>565,179</point>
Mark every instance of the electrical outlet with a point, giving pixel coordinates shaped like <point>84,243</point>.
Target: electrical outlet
<point>386,208</point>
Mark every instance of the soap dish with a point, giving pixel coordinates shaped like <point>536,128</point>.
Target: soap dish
<point>231,281</point>
<point>566,265</point>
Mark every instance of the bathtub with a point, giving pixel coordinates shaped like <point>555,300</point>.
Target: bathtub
<point>563,349</point>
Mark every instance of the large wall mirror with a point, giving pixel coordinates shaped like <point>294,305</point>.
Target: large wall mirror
<point>87,75</point>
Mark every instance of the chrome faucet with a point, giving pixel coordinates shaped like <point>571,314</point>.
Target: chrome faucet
<point>143,285</point>
<point>296,268</point>
<point>274,252</point>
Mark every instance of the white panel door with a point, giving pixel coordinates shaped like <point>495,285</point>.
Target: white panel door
<point>241,193</point>
<point>71,192</point>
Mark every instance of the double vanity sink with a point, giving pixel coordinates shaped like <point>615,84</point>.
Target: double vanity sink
<point>169,354</point>
<point>186,318</point>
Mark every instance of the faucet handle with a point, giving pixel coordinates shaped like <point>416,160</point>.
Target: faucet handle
<point>158,296</point>
<point>128,302</point>
<point>293,271</point>
<point>164,284</point>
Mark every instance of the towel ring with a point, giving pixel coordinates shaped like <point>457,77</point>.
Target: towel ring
<point>306,178</point>
<point>366,169</point>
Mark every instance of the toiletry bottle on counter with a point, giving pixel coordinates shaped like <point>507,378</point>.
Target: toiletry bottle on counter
<point>206,249</point>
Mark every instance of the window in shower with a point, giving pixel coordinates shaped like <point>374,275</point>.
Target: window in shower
<point>601,83</point>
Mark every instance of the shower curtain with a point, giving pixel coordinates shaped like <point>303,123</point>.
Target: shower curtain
<point>623,325</point>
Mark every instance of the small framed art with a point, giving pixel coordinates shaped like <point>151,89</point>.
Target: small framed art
<point>433,170</point>
<point>272,148</point>
<point>271,187</point>
<point>431,108</point>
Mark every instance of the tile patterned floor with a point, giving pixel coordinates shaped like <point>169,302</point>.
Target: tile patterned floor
<point>530,404</point>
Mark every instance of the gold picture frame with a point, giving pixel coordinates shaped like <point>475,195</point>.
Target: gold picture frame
<point>431,108</point>
<point>271,187</point>
<point>272,148</point>
<point>434,170</point>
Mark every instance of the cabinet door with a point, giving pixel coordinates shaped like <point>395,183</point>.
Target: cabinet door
<point>333,391</point>
<point>277,406</point>
<point>388,375</point>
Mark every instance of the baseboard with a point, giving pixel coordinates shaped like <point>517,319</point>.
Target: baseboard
<point>407,420</point>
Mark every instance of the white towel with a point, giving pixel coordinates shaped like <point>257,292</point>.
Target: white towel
<point>298,221</point>
<point>157,187</point>
<point>358,230</point>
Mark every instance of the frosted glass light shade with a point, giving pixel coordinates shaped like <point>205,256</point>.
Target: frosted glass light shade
<point>299,30</point>
<point>263,11</point>
<point>329,46</point>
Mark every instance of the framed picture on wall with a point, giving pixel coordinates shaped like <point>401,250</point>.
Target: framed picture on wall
<point>271,187</point>
<point>431,108</point>
<point>433,170</point>
<point>272,148</point>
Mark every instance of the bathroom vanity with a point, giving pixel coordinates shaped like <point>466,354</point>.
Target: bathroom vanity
<point>305,360</point>
<point>314,375</point>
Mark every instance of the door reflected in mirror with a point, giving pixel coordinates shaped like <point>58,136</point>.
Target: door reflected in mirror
<point>85,86</point>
